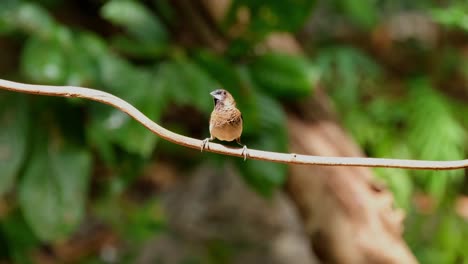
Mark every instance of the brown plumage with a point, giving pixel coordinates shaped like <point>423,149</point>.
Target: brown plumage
<point>226,120</point>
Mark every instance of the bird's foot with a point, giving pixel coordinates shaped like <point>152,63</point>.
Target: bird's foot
<point>204,144</point>
<point>245,152</point>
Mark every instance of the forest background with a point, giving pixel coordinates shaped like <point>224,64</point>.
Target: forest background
<point>81,182</point>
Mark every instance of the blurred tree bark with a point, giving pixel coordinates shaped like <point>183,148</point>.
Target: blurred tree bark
<point>208,214</point>
<point>348,216</point>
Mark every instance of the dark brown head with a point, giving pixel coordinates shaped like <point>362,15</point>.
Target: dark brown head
<point>223,97</point>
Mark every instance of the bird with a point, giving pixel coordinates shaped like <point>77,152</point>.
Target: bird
<point>225,120</point>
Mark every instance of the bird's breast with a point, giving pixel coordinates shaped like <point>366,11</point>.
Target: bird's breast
<point>226,125</point>
<point>226,132</point>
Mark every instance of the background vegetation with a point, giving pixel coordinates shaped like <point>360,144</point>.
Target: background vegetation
<point>397,73</point>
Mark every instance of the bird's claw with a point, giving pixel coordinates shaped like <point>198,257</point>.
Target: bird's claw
<point>245,152</point>
<point>204,144</point>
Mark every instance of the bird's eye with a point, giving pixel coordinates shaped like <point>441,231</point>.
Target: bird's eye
<point>224,92</point>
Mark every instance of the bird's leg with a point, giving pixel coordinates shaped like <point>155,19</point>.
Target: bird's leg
<point>205,143</point>
<point>245,151</point>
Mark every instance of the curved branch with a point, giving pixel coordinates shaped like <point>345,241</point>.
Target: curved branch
<point>288,158</point>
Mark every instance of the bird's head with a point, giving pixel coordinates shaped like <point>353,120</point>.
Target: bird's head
<point>222,96</point>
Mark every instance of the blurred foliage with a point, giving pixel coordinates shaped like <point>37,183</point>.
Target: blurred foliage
<point>452,16</point>
<point>411,115</point>
<point>51,149</point>
<point>267,16</point>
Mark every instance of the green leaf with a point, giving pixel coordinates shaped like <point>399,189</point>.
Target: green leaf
<point>34,19</point>
<point>134,137</point>
<point>136,18</point>
<point>449,237</point>
<point>97,133</point>
<point>170,81</point>
<point>115,127</point>
<point>7,8</point>
<point>13,137</point>
<point>347,72</point>
<point>165,10</point>
<point>455,15</point>
<point>266,115</point>
<point>440,137</point>
<point>64,37</point>
<point>219,69</point>
<point>400,184</point>
<point>44,62</point>
<point>63,59</point>
<point>271,135</point>
<point>83,67</point>
<point>92,44</point>
<point>131,135</point>
<point>198,84</point>
<point>263,176</point>
<point>17,238</point>
<point>272,15</point>
<point>116,74</point>
<point>285,76</point>
<point>109,125</point>
<point>363,12</point>
<point>53,190</point>
<point>187,84</point>
<point>138,49</point>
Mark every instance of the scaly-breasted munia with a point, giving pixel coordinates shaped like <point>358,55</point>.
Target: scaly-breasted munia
<point>225,121</point>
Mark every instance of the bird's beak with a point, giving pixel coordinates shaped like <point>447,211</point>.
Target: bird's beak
<point>216,96</point>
